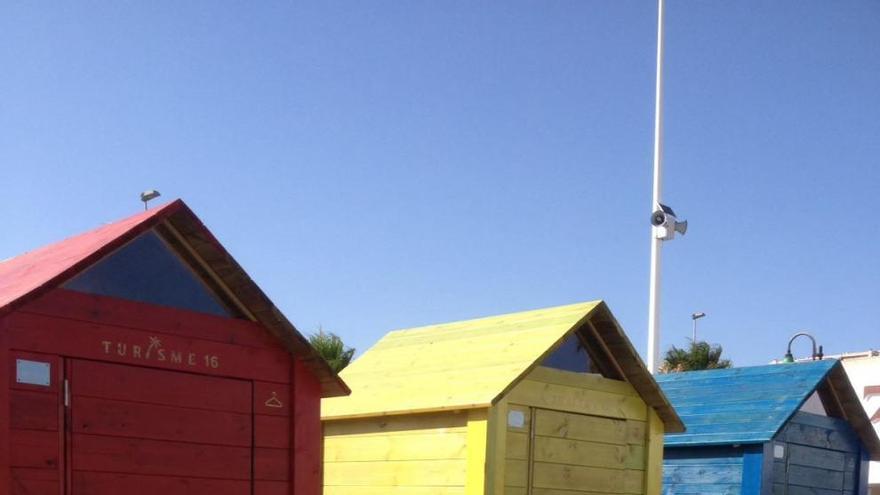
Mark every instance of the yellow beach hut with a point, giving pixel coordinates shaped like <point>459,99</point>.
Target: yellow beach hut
<point>548,402</point>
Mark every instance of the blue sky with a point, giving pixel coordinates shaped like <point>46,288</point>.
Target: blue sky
<point>378,165</point>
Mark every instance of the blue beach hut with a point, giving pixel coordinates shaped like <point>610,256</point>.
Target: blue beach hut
<point>786,429</point>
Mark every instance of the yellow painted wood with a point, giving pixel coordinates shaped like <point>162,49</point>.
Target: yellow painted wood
<point>443,422</point>
<point>582,453</point>
<point>517,473</point>
<point>589,436</point>
<point>496,448</point>
<point>477,443</point>
<point>418,446</point>
<point>450,472</point>
<point>421,453</point>
<point>591,428</point>
<point>517,445</point>
<point>451,366</point>
<point>517,450</point>
<point>581,400</point>
<point>393,490</point>
<point>582,380</point>
<point>654,450</point>
<point>577,478</point>
<point>429,416</point>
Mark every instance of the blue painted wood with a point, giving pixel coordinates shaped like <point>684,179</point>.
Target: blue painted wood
<point>703,470</point>
<point>739,373</point>
<point>753,467</point>
<point>820,431</point>
<point>864,459</point>
<point>767,469</point>
<point>735,418</point>
<point>821,456</point>
<point>740,405</point>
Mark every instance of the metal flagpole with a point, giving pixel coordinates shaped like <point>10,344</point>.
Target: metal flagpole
<point>654,297</point>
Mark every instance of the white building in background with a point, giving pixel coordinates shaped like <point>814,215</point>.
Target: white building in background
<point>863,369</point>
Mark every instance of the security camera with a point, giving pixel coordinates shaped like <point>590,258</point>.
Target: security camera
<point>666,224</point>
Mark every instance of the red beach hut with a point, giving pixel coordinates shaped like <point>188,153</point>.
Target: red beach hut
<point>140,358</point>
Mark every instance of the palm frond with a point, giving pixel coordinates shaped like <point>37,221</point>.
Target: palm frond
<point>331,347</point>
<point>700,356</point>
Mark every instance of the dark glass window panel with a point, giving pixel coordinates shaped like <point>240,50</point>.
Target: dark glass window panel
<point>570,356</point>
<point>146,270</point>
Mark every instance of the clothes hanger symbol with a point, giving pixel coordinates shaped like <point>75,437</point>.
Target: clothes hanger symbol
<point>273,401</point>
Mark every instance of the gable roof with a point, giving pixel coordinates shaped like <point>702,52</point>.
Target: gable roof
<point>28,276</point>
<point>752,404</point>
<point>473,363</point>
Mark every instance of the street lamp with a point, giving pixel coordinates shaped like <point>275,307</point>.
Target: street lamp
<point>695,317</point>
<point>816,356</point>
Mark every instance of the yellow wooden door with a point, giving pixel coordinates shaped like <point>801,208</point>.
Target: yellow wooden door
<point>586,454</point>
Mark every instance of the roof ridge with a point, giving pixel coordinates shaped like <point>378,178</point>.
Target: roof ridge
<point>536,311</point>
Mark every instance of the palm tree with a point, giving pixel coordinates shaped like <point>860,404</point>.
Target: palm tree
<point>700,356</point>
<point>332,349</point>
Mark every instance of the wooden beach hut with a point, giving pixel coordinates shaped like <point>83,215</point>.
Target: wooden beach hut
<point>768,430</point>
<point>139,358</point>
<point>550,402</point>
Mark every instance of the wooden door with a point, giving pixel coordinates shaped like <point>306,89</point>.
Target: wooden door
<point>36,447</point>
<point>583,454</point>
<point>140,431</point>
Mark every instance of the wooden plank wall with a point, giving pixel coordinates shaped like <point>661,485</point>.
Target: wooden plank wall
<point>822,456</point>
<point>109,330</point>
<point>36,422</point>
<point>583,433</point>
<point>703,470</point>
<point>416,454</point>
<point>130,434</point>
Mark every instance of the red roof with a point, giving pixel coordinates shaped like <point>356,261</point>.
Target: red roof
<point>27,276</point>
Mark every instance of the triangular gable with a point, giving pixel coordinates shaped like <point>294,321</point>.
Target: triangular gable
<point>32,274</point>
<point>474,363</point>
<point>148,270</point>
<point>814,405</point>
<point>572,356</point>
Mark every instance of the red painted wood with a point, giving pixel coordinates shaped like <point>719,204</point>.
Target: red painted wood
<point>272,398</point>
<point>90,483</point>
<point>307,434</point>
<point>262,487</point>
<point>28,481</point>
<point>33,410</point>
<point>106,343</point>
<point>271,464</point>
<point>131,419</point>
<point>271,431</point>
<point>154,427</point>
<point>34,449</point>
<point>135,315</point>
<point>156,457</point>
<point>154,386</point>
<point>29,275</point>
<point>5,406</point>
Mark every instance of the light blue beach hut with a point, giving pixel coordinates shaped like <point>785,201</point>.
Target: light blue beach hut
<point>786,429</point>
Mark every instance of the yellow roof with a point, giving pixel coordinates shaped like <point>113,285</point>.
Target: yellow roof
<point>461,365</point>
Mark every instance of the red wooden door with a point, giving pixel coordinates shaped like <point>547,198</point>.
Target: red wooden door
<point>137,431</point>
<point>36,449</point>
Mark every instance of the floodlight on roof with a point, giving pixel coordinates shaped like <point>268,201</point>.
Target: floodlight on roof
<point>148,195</point>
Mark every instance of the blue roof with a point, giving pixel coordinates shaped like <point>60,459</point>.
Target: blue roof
<point>739,405</point>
